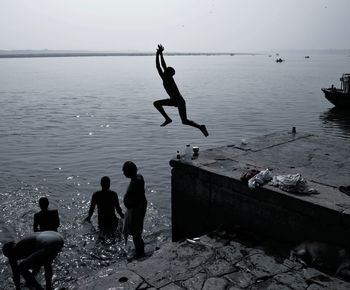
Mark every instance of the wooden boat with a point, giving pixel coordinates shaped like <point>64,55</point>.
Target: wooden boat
<point>339,97</point>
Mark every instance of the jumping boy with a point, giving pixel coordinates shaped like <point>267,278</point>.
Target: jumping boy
<point>176,99</point>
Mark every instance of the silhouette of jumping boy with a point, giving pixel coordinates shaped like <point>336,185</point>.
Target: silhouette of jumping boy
<point>176,99</point>
<point>33,251</point>
<point>46,219</point>
<point>107,202</point>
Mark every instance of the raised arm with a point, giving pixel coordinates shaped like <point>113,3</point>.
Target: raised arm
<point>161,49</point>
<point>159,69</point>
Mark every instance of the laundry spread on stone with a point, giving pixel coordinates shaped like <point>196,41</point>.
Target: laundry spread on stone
<point>293,183</point>
<point>260,179</point>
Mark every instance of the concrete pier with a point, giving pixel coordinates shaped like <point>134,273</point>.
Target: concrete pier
<point>207,192</point>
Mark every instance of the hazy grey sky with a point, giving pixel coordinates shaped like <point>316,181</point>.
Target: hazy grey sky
<point>181,25</point>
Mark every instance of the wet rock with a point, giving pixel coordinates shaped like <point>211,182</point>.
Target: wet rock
<point>316,278</point>
<point>171,286</point>
<point>292,280</point>
<point>196,282</point>
<point>241,279</point>
<point>310,273</point>
<point>269,284</point>
<point>213,242</point>
<point>231,253</point>
<point>219,267</point>
<point>215,283</point>
<point>123,279</point>
<point>317,287</point>
<point>263,265</point>
<point>174,262</point>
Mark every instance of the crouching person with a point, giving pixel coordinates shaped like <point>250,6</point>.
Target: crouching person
<point>32,252</point>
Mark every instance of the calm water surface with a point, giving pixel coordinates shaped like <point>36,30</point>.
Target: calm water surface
<point>66,122</point>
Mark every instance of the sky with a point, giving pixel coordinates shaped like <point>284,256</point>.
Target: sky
<point>180,25</point>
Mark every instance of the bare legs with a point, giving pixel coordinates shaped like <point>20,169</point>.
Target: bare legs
<point>34,261</point>
<point>139,245</point>
<point>181,104</point>
<point>183,115</point>
<point>159,106</point>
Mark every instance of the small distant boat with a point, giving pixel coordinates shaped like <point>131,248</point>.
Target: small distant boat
<point>339,97</point>
<point>279,60</point>
<point>306,56</point>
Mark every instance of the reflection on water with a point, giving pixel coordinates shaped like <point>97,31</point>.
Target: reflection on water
<point>337,121</point>
<point>84,250</point>
<point>84,117</point>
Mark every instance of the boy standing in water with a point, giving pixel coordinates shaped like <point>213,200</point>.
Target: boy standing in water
<point>136,204</point>
<point>107,203</point>
<point>46,219</point>
<point>176,99</point>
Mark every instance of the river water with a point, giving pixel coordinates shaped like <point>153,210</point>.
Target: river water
<point>66,122</point>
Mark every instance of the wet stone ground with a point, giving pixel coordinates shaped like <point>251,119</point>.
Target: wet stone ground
<point>217,261</point>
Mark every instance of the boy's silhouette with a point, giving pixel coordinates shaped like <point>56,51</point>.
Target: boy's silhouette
<point>136,203</point>
<point>176,99</point>
<point>46,219</point>
<point>32,252</point>
<point>107,203</point>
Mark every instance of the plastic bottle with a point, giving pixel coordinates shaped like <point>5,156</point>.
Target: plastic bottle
<point>188,153</point>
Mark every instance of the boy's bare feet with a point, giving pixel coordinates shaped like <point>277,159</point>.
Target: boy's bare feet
<point>166,122</point>
<point>204,130</point>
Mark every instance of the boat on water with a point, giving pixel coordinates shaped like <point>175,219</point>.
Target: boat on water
<point>278,60</point>
<point>339,97</point>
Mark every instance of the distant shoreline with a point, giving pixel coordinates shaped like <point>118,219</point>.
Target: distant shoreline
<point>79,53</point>
<point>89,54</point>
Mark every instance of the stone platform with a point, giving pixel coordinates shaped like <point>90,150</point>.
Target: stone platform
<point>207,192</point>
<point>208,263</point>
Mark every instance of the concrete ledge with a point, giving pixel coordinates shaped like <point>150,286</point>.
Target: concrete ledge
<point>207,192</point>
<point>212,263</point>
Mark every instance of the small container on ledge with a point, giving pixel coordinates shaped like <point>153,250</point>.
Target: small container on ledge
<point>188,153</point>
<point>195,150</point>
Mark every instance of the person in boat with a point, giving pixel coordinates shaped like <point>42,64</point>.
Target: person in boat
<point>32,252</point>
<point>176,99</point>
<point>46,219</point>
<point>107,203</point>
<point>136,203</point>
